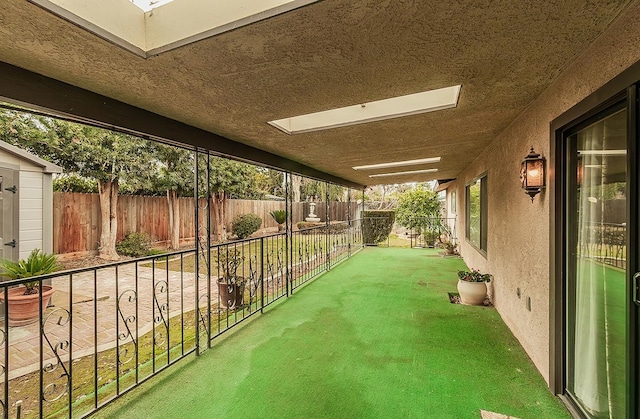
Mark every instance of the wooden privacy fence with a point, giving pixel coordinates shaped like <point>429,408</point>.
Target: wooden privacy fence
<point>76,217</point>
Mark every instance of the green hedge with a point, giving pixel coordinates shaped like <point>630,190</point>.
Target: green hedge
<point>377,225</point>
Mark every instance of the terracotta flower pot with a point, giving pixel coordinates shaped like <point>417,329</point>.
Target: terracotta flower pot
<point>23,309</point>
<point>472,293</point>
<point>231,295</point>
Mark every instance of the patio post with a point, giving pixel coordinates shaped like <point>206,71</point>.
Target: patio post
<point>261,274</point>
<point>349,232</point>
<point>207,254</point>
<point>327,236</point>
<point>362,218</point>
<point>196,261</point>
<point>288,228</point>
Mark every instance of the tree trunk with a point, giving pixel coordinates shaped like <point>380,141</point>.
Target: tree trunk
<point>108,191</point>
<point>174,219</point>
<point>296,183</point>
<point>218,201</point>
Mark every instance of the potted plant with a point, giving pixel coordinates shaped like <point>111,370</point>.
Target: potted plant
<point>449,247</point>
<point>230,284</point>
<point>472,286</point>
<point>23,300</point>
<point>280,217</point>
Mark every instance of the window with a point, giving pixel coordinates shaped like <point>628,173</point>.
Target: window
<point>452,202</point>
<point>476,213</point>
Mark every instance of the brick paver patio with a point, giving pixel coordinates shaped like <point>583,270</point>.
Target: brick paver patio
<point>92,312</point>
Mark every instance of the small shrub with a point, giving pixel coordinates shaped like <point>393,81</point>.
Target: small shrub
<point>280,216</point>
<point>377,226</point>
<point>135,245</point>
<point>474,275</point>
<point>245,225</point>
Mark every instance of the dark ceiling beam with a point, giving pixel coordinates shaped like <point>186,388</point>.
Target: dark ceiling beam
<point>57,98</point>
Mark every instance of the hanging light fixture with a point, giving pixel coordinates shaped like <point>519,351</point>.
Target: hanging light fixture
<point>532,174</point>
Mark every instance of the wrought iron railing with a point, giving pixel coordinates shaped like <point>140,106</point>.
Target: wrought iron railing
<point>111,327</point>
<point>605,242</point>
<point>431,231</point>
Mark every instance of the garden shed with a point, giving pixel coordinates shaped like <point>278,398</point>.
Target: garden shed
<point>26,201</point>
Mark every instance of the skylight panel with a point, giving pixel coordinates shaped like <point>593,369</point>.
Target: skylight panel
<point>411,172</point>
<point>151,27</point>
<point>396,107</point>
<point>398,164</point>
<point>147,5</point>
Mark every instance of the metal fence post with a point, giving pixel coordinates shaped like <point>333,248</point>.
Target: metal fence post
<point>196,256</point>
<point>362,218</point>
<point>261,275</point>
<point>327,236</point>
<point>288,227</point>
<point>349,232</point>
<point>208,252</point>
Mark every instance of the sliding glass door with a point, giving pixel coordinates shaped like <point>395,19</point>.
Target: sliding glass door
<point>597,279</point>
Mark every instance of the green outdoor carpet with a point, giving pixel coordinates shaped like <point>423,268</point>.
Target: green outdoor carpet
<point>376,337</point>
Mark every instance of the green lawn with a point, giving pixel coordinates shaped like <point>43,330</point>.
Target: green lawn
<point>376,337</point>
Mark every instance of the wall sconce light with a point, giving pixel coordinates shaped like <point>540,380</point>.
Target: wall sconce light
<point>532,174</point>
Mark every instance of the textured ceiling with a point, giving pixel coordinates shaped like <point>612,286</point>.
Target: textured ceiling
<point>331,54</point>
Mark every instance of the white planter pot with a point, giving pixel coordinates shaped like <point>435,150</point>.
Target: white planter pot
<point>472,293</point>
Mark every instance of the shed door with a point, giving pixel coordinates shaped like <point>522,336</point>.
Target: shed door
<point>9,211</point>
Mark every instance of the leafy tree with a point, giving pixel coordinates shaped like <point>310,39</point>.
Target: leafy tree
<point>420,209</point>
<point>175,178</point>
<point>107,156</point>
<point>317,190</point>
<point>296,187</point>
<point>381,197</point>
<point>73,183</point>
<point>23,130</point>
<point>416,204</point>
<point>118,160</point>
<point>227,179</point>
<point>269,182</point>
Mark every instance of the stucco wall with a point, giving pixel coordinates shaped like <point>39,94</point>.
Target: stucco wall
<point>518,230</point>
